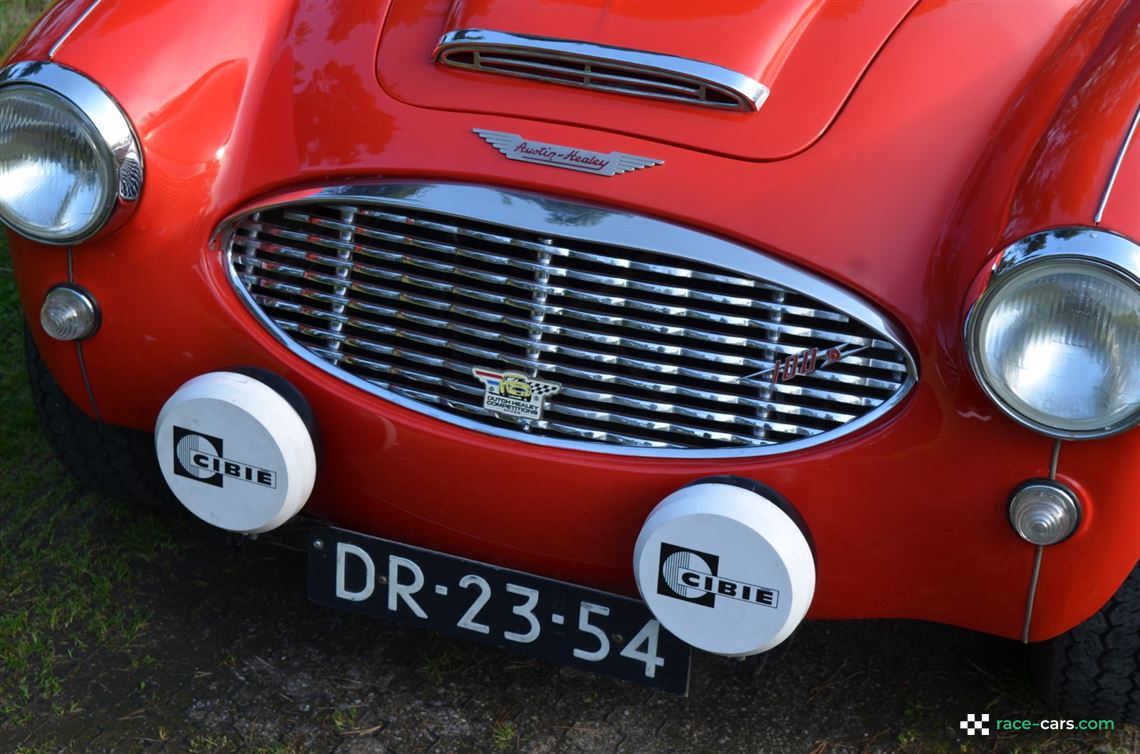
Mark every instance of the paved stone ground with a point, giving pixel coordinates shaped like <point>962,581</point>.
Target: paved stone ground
<point>236,658</point>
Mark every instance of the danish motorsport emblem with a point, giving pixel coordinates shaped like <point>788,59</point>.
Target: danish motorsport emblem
<point>514,393</point>
<point>516,147</point>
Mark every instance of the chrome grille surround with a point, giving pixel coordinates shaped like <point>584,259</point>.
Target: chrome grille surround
<point>603,68</point>
<point>401,289</point>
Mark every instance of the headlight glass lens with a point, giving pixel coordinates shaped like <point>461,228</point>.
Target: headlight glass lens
<point>1058,343</point>
<point>56,173</point>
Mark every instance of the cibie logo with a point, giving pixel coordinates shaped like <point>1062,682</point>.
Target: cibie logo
<point>514,393</point>
<point>199,456</point>
<point>692,576</point>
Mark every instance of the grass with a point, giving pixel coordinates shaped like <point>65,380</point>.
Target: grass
<point>63,587</point>
<point>442,658</point>
<point>346,719</point>
<point>204,744</point>
<point>45,748</point>
<point>60,584</point>
<point>504,736</point>
<point>15,16</point>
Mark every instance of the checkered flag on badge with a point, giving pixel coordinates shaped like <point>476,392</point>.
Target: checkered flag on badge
<point>543,388</point>
<point>975,725</point>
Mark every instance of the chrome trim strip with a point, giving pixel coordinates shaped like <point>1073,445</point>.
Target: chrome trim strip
<point>1032,596</point>
<point>59,42</point>
<point>547,216</point>
<point>747,93</point>
<point>1093,246</point>
<point>87,380</point>
<point>1116,167</point>
<point>79,343</point>
<point>1054,456</point>
<point>123,152</point>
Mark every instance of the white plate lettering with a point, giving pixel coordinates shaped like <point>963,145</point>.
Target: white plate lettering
<point>468,619</point>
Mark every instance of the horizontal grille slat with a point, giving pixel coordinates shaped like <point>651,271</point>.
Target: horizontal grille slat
<point>558,251</point>
<point>492,317</point>
<point>595,396</point>
<point>538,69</point>
<point>583,75</point>
<point>647,351</point>
<point>547,290</point>
<point>553,350</point>
<point>548,269</point>
<point>546,368</point>
<point>601,68</point>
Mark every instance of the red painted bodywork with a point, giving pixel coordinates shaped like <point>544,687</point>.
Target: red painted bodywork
<point>791,47</point>
<point>900,176</point>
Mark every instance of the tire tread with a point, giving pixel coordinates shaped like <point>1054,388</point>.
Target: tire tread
<point>1095,667</point>
<point>116,461</point>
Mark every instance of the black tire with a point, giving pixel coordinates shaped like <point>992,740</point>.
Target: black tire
<point>1094,669</point>
<point>116,461</point>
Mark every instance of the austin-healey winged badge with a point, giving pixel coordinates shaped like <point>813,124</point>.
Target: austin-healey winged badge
<point>516,147</point>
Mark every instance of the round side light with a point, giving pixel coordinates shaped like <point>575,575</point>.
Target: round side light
<point>1044,512</point>
<point>69,313</point>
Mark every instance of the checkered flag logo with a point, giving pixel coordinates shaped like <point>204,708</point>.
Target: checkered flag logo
<point>542,388</point>
<point>976,725</point>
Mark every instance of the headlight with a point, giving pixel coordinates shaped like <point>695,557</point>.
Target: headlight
<point>1055,337</point>
<point>70,164</point>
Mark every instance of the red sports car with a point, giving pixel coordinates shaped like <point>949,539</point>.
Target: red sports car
<point>606,330</point>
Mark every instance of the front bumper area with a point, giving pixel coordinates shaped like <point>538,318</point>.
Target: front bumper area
<point>908,516</point>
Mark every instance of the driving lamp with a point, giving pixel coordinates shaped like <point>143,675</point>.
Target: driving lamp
<point>70,164</point>
<point>1055,338</point>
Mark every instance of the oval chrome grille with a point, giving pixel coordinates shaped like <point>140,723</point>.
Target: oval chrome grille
<point>663,340</point>
<point>602,68</point>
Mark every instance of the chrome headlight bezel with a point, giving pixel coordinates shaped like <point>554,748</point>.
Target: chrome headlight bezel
<point>1102,252</point>
<point>108,127</point>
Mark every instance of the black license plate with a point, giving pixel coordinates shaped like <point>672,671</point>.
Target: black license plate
<point>552,620</point>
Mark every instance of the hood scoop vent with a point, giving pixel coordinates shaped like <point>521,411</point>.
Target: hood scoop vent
<point>603,68</point>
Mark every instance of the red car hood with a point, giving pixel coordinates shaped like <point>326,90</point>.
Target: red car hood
<point>809,53</point>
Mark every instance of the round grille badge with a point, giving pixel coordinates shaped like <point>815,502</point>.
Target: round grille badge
<point>235,452</point>
<point>724,569</point>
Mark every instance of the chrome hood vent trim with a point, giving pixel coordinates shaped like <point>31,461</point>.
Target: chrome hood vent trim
<point>602,68</point>
<point>654,339</point>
